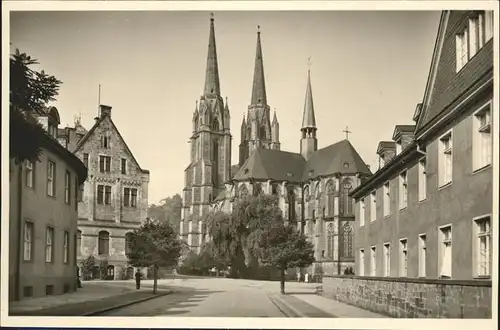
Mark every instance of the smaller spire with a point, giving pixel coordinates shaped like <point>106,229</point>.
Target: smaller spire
<point>243,123</point>
<point>308,117</point>
<point>227,106</point>
<point>195,114</point>
<point>275,119</point>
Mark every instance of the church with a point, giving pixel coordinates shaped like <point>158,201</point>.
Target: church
<point>312,185</point>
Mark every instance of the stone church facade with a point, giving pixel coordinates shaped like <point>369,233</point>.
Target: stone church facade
<point>312,185</point>
<point>113,201</point>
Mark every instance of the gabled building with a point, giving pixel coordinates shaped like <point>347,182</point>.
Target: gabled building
<point>312,185</point>
<point>114,199</point>
<point>43,217</point>
<point>427,212</point>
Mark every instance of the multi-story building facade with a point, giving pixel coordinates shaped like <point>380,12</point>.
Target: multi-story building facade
<point>427,212</point>
<point>312,185</point>
<point>113,200</point>
<point>43,218</point>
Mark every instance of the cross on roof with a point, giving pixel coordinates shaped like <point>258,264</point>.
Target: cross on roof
<point>347,131</point>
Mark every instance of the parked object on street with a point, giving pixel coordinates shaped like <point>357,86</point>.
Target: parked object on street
<point>306,278</point>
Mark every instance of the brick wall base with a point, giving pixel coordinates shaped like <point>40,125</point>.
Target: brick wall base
<point>412,298</point>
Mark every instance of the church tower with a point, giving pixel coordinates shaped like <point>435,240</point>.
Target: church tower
<point>257,131</point>
<point>210,160</point>
<point>308,142</point>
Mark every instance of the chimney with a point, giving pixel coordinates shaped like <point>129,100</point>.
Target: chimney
<point>105,110</point>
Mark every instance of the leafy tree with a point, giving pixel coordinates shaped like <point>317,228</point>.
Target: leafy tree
<point>169,210</point>
<point>87,266</point>
<point>155,244</point>
<point>30,91</point>
<point>284,247</point>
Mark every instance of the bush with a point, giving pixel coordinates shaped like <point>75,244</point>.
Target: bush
<point>87,267</point>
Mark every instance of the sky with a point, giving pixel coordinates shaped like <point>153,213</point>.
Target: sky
<point>368,72</point>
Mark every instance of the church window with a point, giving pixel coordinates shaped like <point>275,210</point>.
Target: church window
<point>263,133</point>
<point>346,204</point>
<point>215,125</point>
<point>257,189</point>
<point>330,199</point>
<point>329,240</point>
<point>274,188</point>
<point>347,240</point>
<point>215,163</point>
<point>291,205</point>
<point>243,191</point>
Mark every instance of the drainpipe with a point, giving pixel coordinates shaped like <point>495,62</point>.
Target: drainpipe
<point>19,232</point>
<point>420,151</point>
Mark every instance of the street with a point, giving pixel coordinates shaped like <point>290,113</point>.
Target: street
<point>213,297</point>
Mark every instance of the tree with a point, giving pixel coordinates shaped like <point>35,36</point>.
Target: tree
<point>284,247</point>
<point>30,91</point>
<point>154,244</point>
<point>87,266</point>
<point>169,210</point>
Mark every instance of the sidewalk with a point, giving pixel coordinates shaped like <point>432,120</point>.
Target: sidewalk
<point>93,298</point>
<point>308,304</point>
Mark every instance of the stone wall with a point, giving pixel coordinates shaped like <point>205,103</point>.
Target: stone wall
<point>413,298</point>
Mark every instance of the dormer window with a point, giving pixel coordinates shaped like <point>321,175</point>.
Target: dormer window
<point>398,147</point>
<point>311,173</point>
<point>289,174</point>
<point>105,141</point>
<point>245,171</point>
<point>346,165</point>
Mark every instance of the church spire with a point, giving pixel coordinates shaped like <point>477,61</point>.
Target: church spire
<point>308,118</point>
<point>259,84</point>
<point>212,85</point>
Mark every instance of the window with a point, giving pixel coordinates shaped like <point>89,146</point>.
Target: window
<point>274,188</point>
<point>103,195</point>
<point>330,200</point>
<point>482,247</point>
<point>51,171</point>
<point>362,212</point>
<point>387,259</point>
<point>387,199</point>
<point>104,164</point>
<point>462,53</point>
<point>445,252</point>
<point>346,201</point>
<point>422,179</point>
<point>49,241</point>
<point>67,190</point>
<point>445,159</point>
<point>347,240</point>
<point>422,255</point>
<point>361,262</point>
<point>28,241</point>
<point>105,141</point>
<point>488,25</point>
<point>124,166</point>
<point>103,244</point>
<point>373,206</point>
<point>330,235</point>
<point>128,237</point>
<point>482,141</point>
<point>403,190</point>
<point>373,261</point>
<point>476,35</point>
<point>398,147</point>
<point>29,174</point>
<point>79,243</point>
<point>86,160</point>
<point>66,247</point>
<point>130,197</point>
<point>403,261</point>
<point>80,191</point>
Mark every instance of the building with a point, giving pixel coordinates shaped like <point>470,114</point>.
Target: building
<point>43,218</point>
<point>312,185</point>
<point>426,213</point>
<point>114,199</point>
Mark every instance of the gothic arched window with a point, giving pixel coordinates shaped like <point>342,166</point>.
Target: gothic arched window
<point>242,191</point>
<point>262,133</point>
<point>215,125</point>
<point>291,204</point>
<point>257,189</point>
<point>103,244</point>
<point>215,163</point>
<point>346,204</point>
<point>347,240</point>
<point>330,207</point>
<point>329,240</point>
<point>274,188</point>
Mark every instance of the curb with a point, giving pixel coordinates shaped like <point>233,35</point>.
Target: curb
<point>285,308</point>
<point>107,309</point>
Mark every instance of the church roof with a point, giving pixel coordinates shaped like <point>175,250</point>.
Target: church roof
<point>332,159</point>
<point>308,118</point>
<point>268,164</point>
<point>259,83</point>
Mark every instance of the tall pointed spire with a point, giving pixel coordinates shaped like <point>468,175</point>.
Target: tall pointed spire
<point>308,118</point>
<point>259,84</point>
<point>212,85</point>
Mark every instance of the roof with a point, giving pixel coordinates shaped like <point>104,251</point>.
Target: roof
<point>259,84</point>
<point>269,164</point>
<point>402,129</point>
<point>386,145</point>
<point>332,159</point>
<point>97,123</point>
<point>234,169</point>
<point>308,118</point>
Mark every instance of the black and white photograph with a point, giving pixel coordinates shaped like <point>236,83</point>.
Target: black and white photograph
<point>235,164</point>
